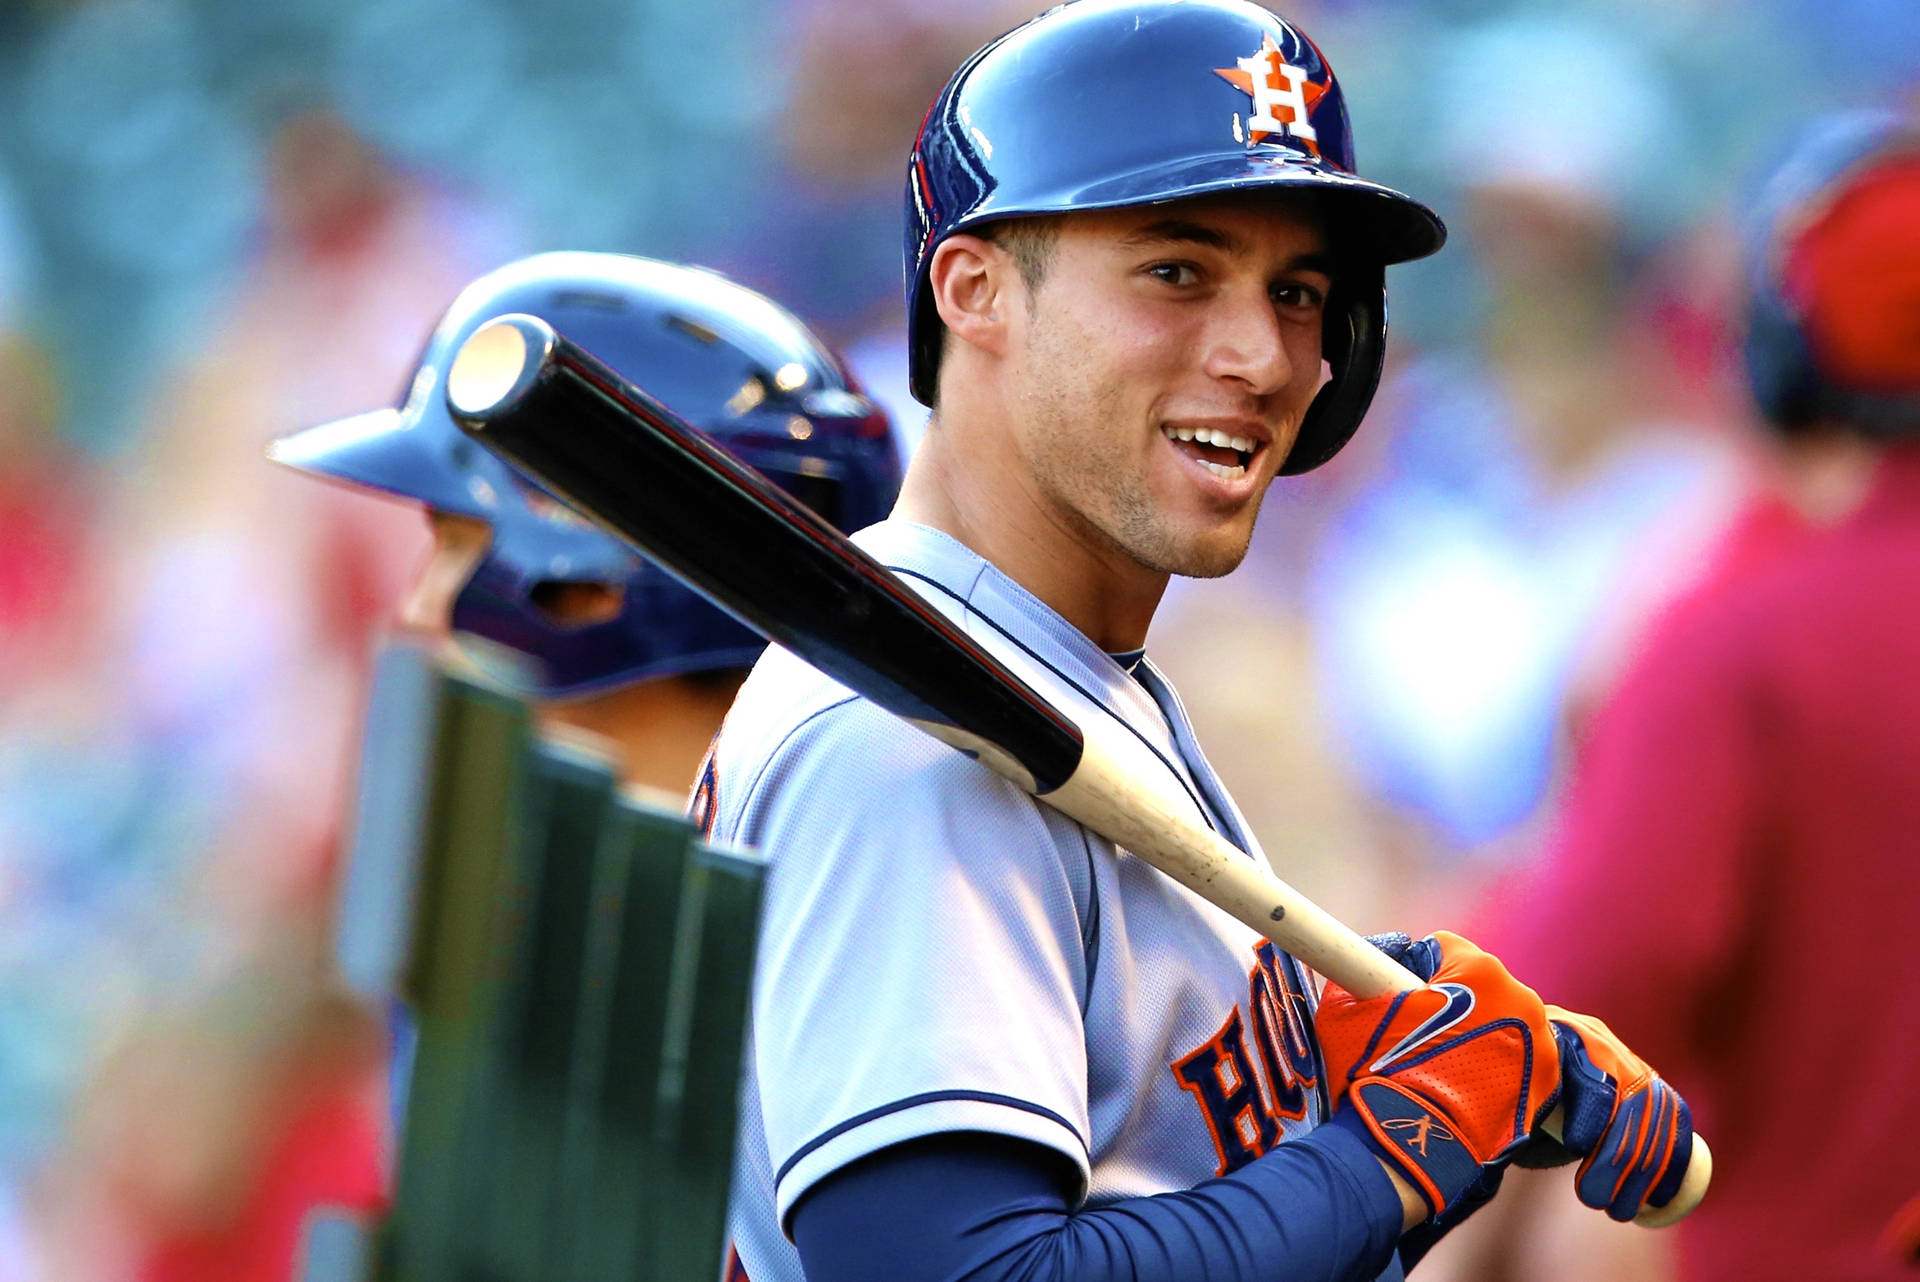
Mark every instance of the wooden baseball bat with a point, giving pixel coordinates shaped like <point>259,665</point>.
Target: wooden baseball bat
<point>626,460</point>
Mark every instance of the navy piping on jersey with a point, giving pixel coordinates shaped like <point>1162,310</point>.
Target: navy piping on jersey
<point>1206,813</point>
<point>1090,929</point>
<point>1148,678</point>
<point>753,788</point>
<point>931,1097</point>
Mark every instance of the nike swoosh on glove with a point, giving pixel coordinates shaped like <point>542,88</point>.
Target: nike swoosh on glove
<point>1444,1080</point>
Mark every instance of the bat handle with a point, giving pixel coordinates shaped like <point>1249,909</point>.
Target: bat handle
<point>1693,1185</point>
<point>1388,976</point>
<point>1107,794</point>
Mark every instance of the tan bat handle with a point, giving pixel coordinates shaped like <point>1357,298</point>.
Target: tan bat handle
<point>1116,793</point>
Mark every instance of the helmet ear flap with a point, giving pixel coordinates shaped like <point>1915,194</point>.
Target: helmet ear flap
<point>1780,367</point>
<point>1353,340</point>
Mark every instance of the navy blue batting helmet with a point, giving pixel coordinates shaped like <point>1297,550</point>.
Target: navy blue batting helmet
<point>1833,279</point>
<point>732,362</point>
<point>1104,104</point>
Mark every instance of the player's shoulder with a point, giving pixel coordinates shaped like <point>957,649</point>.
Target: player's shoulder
<point>805,768</point>
<point>796,733</point>
<point>785,695</point>
<point>786,699</point>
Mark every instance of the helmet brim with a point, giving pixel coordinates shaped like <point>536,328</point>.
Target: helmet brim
<point>380,450</point>
<point>1373,220</point>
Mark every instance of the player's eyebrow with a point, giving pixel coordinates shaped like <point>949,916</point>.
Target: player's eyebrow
<point>1182,231</point>
<point>1314,260</point>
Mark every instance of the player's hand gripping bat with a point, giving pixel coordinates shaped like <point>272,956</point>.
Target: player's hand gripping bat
<point>625,459</point>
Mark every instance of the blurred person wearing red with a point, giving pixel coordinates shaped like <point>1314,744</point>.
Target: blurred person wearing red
<point>1753,768</point>
<point>46,523</point>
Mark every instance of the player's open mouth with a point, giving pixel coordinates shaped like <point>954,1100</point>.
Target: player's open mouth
<point>1224,454</point>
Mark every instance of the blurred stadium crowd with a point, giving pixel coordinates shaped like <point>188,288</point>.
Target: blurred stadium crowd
<point>222,220</point>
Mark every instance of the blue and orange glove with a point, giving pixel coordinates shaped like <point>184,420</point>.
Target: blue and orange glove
<point>1631,1132</point>
<point>1444,1081</point>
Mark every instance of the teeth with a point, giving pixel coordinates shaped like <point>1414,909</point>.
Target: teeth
<point>1219,469</point>
<point>1211,436</point>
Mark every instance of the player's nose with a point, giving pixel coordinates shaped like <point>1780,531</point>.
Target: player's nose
<point>1246,344</point>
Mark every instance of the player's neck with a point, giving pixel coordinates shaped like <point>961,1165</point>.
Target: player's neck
<point>656,731</point>
<point>999,514</point>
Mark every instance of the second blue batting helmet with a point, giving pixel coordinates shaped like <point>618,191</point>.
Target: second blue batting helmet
<point>732,362</point>
<point>1105,104</point>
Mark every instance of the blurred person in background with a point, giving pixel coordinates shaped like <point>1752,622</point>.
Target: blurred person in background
<point>46,507</point>
<point>611,645</point>
<point>828,243</point>
<point>1524,468</point>
<point>1731,875</point>
<point>190,761</point>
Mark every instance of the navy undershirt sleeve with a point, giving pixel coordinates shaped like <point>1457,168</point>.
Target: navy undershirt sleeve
<point>989,1208</point>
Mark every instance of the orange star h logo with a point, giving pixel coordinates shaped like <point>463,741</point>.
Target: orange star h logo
<point>1282,95</point>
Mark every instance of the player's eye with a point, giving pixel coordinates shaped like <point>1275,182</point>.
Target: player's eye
<point>1299,295</point>
<point>1182,274</point>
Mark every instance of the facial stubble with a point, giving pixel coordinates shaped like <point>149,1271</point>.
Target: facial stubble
<point>1072,413</point>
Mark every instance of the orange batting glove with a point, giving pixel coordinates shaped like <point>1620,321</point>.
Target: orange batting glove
<point>1445,1080</point>
<point>1632,1131</point>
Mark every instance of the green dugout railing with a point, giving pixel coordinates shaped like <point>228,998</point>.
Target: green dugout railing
<point>574,967</point>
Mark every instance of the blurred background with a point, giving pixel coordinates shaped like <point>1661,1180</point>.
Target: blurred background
<point>221,220</point>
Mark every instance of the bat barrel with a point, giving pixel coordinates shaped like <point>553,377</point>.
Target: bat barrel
<point>496,368</point>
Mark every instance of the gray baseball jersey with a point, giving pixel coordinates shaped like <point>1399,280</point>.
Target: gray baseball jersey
<point>942,952</point>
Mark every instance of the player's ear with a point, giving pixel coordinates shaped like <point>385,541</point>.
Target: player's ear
<point>971,280</point>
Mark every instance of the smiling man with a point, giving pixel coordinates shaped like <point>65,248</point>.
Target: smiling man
<point>1138,376</point>
<point>988,1043</point>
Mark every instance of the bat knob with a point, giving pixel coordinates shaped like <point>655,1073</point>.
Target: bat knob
<point>1692,1188</point>
<point>496,365</point>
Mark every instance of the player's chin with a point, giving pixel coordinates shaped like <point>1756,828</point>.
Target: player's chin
<point>1211,558</point>
<point>1213,541</point>
<point>1203,547</point>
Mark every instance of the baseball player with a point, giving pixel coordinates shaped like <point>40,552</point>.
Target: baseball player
<point>551,605</point>
<point>989,1044</point>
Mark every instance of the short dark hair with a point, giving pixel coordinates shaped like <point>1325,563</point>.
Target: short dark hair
<point>1030,243</point>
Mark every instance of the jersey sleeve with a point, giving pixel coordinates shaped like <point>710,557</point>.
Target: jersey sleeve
<point>992,1210</point>
<point>922,965</point>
